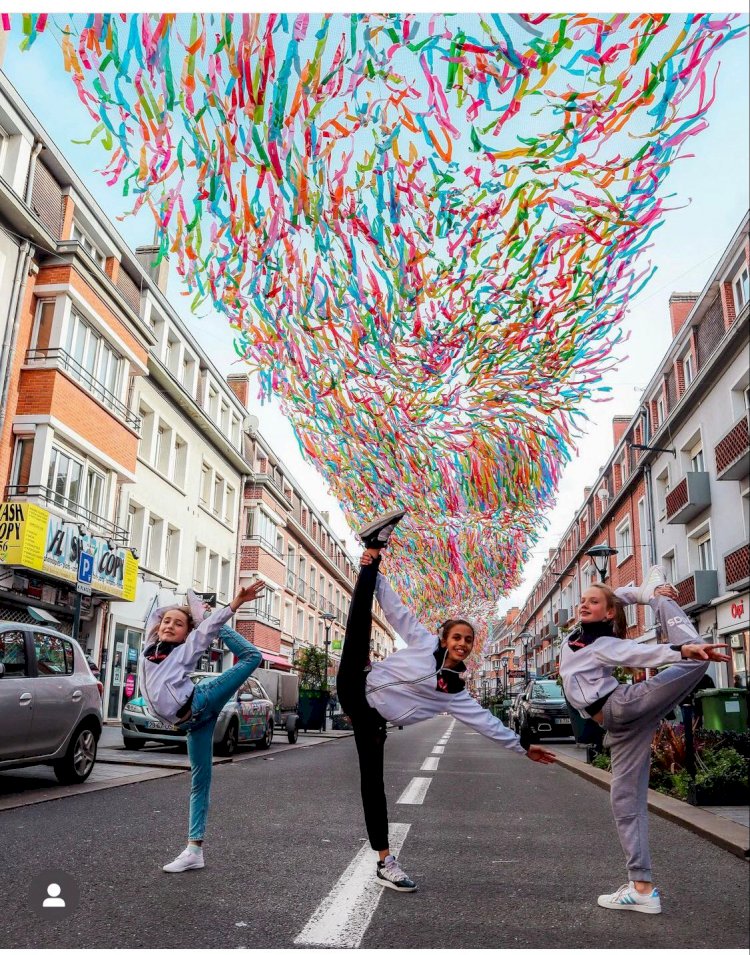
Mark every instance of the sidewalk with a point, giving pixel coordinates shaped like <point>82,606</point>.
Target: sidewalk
<point>725,826</point>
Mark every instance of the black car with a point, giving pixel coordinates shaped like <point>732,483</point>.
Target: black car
<point>541,711</point>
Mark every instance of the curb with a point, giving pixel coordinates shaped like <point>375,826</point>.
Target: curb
<point>724,833</point>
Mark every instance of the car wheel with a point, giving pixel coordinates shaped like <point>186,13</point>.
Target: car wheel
<point>133,743</point>
<point>293,734</point>
<point>265,740</point>
<point>76,765</point>
<point>228,745</point>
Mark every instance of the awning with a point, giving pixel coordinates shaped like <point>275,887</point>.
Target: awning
<point>280,663</point>
<point>42,616</point>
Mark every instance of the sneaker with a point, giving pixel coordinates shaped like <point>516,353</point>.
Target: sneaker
<point>188,859</point>
<point>653,579</point>
<point>629,899</point>
<point>392,876</point>
<point>377,532</point>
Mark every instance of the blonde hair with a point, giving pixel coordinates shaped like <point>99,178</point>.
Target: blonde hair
<point>619,623</point>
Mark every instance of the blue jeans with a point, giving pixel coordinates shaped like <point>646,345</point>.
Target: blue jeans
<point>208,701</point>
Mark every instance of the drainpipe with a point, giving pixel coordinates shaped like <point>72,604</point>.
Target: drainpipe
<point>649,496</point>
<point>25,253</point>
<point>38,144</point>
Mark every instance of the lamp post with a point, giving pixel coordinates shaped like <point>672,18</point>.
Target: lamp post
<point>526,637</point>
<point>600,554</point>
<point>505,678</point>
<point>328,619</point>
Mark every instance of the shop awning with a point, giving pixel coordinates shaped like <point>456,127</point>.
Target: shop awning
<point>280,663</point>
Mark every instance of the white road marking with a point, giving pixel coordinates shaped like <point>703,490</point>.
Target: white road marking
<point>438,750</point>
<point>415,792</point>
<point>342,918</point>
<point>430,764</point>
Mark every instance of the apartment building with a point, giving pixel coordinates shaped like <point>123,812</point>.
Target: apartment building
<point>286,542</point>
<point>674,490</point>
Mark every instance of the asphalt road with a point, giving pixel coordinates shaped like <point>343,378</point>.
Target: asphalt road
<point>507,854</point>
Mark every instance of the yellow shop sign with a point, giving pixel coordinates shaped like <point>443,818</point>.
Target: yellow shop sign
<point>32,537</point>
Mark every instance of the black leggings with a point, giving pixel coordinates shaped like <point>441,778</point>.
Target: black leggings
<point>368,724</point>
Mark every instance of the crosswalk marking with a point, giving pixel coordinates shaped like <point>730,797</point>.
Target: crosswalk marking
<point>415,792</point>
<point>342,918</point>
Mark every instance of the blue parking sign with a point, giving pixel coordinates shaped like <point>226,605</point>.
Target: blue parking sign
<point>85,568</point>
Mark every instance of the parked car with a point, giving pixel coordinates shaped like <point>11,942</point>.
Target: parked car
<point>50,703</point>
<point>541,711</point>
<point>283,691</point>
<point>247,717</point>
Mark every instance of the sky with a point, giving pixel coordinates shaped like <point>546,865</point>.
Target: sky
<point>710,192</point>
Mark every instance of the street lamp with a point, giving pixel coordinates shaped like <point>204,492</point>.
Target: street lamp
<point>600,554</point>
<point>328,619</point>
<point>526,637</point>
<point>505,678</point>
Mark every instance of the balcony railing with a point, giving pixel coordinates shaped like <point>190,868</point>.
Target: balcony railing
<point>689,498</point>
<point>255,613</point>
<point>61,359</point>
<point>313,596</point>
<point>732,453</point>
<point>697,590</point>
<point>82,515</point>
<point>737,567</point>
<point>300,587</point>
<point>266,544</point>
<point>291,580</point>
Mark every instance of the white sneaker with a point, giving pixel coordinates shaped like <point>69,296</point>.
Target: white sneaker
<point>629,899</point>
<point>187,859</point>
<point>390,874</point>
<point>653,579</point>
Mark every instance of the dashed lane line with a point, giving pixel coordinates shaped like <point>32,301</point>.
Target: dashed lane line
<point>415,792</point>
<point>430,764</point>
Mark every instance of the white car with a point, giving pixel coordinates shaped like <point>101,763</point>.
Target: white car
<point>50,702</point>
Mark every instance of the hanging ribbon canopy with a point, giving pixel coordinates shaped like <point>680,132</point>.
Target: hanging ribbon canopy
<point>424,229</point>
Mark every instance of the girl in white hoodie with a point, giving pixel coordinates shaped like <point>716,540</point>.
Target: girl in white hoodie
<point>411,685</point>
<point>631,714</point>
<point>176,637</point>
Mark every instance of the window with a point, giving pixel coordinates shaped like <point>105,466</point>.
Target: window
<point>93,250</point>
<point>64,478</point>
<point>224,418</point>
<point>94,500</point>
<point>224,580</point>
<point>54,656</point>
<point>741,288</point>
<point>199,566</point>
<point>152,544</point>
<point>147,431</point>
<point>662,489</point>
<point>229,505</point>
<point>218,505</point>
<point>696,459</point>
<point>13,654</point>
<point>172,354</point>
<point>134,526</point>
<point>172,552</point>
<point>300,631</point>
<point>44,318</point>
<point>311,629</point>
<point>162,448</point>
<point>660,416</point>
<point>623,541</point>
<point>180,462</point>
<point>213,571</point>
<point>213,402</point>
<point>688,369</point>
<point>205,483</point>
<point>22,464</point>
<point>288,617</point>
<point>91,360</point>
<point>669,563</point>
<point>705,557</point>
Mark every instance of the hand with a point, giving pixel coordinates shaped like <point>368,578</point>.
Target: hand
<point>667,590</point>
<point>704,651</point>
<point>245,594</point>
<point>368,557</point>
<point>541,755</point>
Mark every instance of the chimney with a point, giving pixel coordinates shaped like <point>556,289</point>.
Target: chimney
<point>326,516</point>
<point>158,273</point>
<point>619,427</point>
<point>680,306</point>
<point>240,385</point>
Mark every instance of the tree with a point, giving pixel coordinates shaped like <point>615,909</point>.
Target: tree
<point>310,663</point>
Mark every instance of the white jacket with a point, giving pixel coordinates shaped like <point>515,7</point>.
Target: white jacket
<point>587,672</point>
<point>166,686</point>
<point>403,687</point>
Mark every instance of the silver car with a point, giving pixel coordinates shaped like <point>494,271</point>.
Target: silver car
<point>247,717</point>
<point>50,702</point>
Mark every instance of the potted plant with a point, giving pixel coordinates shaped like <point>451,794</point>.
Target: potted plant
<point>310,663</point>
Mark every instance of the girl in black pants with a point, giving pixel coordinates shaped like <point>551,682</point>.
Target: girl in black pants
<point>414,684</point>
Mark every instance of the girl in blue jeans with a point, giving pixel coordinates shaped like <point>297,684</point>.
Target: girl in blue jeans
<point>176,637</point>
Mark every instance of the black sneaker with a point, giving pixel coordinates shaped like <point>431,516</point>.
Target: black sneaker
<point>392,876</point>
<point>376,533</point>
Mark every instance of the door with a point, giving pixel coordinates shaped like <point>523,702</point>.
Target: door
<point>16,696</point>
<point>58,697</point>
<point>123,670</point>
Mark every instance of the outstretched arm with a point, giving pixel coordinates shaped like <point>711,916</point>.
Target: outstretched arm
<point>466,709</point>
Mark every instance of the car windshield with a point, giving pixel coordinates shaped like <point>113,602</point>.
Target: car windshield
<point>547,691</point>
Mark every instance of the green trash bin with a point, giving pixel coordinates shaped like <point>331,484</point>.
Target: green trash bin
<point>724,709</point>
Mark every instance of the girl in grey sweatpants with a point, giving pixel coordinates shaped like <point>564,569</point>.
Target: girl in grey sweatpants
<point>631,714</point>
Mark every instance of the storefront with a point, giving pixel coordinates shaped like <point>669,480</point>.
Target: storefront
<point>733,628</point>
<point>39,554</point>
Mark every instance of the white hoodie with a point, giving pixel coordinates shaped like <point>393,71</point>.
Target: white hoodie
<point>587,672</point>
<point>167,686</point>
<point>403,687</point>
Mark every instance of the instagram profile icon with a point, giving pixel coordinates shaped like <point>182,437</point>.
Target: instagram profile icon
<point>53,895</point>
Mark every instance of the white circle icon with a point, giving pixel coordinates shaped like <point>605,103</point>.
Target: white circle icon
<point>53,901</point>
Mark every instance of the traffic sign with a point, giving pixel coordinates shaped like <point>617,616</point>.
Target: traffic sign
<point>85,570</point>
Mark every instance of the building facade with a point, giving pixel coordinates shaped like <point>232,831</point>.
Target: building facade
<point>675,488</point>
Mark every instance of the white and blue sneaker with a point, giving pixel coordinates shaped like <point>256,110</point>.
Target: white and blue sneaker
<point>390,874</point>
<point>628,899</point>
<point>653,579</point>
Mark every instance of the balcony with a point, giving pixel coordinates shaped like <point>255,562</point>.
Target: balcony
<point>95,523</point>
<point>732,453</point>
<point>300,587</point>
<point>257,540</point>
<point>57,358</point>
<point>562,616</point>
<point>313,597</point>
<point>690,498</point>
<point>255,613</point>
<point>737,567</point>
<point>291,580</point>
<point>697,590</point>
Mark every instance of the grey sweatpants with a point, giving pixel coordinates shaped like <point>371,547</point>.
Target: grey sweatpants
<point>631,716</point>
